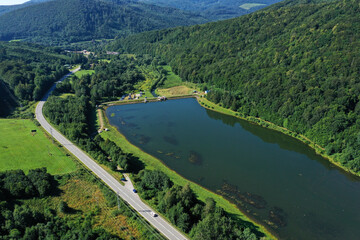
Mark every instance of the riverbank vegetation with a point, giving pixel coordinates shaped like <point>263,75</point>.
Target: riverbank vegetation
<point>70,116</point>
<point>294,65</point>
<point>201,220</point>
<point>153,164</point>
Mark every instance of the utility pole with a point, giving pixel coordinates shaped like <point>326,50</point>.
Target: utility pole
<point>52,137</point>
<point>118,200</point>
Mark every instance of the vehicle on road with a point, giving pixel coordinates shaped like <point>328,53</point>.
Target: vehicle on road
<point>134,190</point>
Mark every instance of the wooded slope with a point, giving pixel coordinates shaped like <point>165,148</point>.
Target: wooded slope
<point>27,71</point>
<point>64,21</point>
<point>296,65</point>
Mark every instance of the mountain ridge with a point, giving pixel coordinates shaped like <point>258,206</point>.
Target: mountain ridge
<point>78,20</point>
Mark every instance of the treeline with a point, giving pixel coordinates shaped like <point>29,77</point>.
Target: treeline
<point>72,113</point>
<point>15,184</point>
<point>66,21</point>
<point>115,78</point>
<point>294,64</point>
<point>201,220</point>
<point>111,79</point>
<point>21,221</point>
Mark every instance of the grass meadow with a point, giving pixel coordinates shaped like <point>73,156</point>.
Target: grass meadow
<point>22,149</point>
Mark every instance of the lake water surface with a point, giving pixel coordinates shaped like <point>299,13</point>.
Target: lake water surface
<point>278,180</point>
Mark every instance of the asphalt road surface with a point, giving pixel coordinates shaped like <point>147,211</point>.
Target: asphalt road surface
<point>125,192</point>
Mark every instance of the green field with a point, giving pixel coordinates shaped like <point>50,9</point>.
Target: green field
<point>81,73</point>
<point>172,80</point>
<point>248,6</point>
<point>20,149</point>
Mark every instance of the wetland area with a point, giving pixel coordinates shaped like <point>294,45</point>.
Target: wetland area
<point>276,180</point>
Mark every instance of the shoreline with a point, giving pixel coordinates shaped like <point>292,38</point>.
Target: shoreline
<point>179,179</point>
<point>137,101</point>
<point>258,121</point>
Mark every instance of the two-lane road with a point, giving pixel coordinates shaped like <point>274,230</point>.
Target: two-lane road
<point>124,192</point>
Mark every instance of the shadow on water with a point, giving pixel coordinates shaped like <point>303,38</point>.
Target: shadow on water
<point>195,158</point>
<point>129,117</point>
<point>132,125</point>
<point>171,139</point>
<point>267,135</point>
<point>278,217</point>
<point>254,204</point>
<point>282,140</point>
<point>144,139</point>
<point>253,200</point>
<point>171,124</point>
<point>321,227</point>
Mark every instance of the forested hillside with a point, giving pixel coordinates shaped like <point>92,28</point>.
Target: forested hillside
<point>27,71</point>
<point>296,66</point>
<point>64,21</point>
<point>215,10</point>
<point>5,9</point>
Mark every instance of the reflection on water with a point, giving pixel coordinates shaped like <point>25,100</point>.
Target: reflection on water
<point>275,179</point>
<point>144,139</point>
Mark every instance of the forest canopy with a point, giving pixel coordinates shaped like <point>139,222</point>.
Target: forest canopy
<point>66,21</point>
<point>27,71</point>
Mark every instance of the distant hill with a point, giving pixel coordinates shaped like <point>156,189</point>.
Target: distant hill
<point>67,21</point>
<point>9,8</point>
<point>294,64</point>
<point>215,10</point>
<point>209,9</point>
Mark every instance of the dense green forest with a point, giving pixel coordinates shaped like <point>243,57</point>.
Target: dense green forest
<point>180,205</point>
<point>71,115</point>
<point>27,71</point>
<point>19,220</point>
<point>295,65</point>
<point>215,10</point>
<point>64,21</point>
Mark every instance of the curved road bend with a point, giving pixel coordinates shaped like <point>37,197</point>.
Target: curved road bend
<point>124,192</point>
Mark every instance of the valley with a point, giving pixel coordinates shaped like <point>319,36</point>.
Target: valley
<point>151,119</point>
